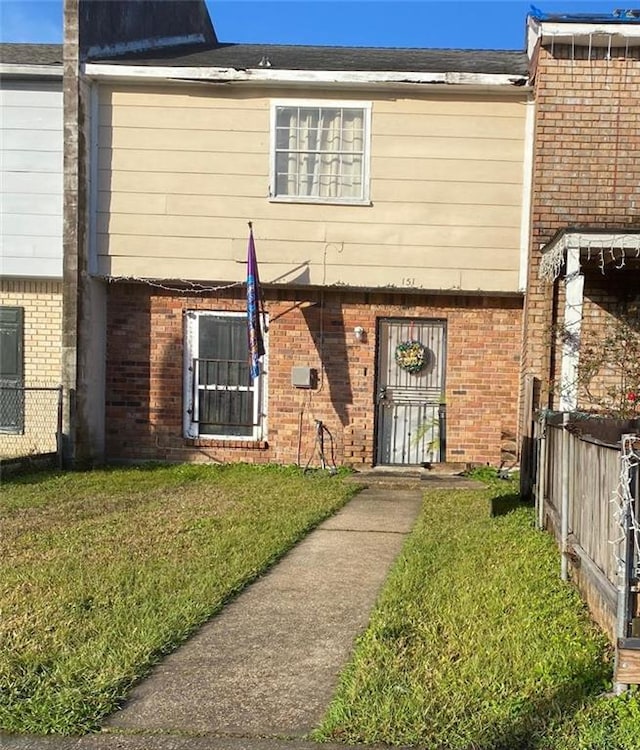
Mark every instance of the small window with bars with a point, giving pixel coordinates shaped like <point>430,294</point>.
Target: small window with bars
<point>222,401</point>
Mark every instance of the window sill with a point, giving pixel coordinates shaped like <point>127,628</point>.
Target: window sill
<point>320,201</point>
<point>207,442</point>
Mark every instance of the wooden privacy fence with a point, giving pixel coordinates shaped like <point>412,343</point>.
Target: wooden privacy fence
<point>587,491</point>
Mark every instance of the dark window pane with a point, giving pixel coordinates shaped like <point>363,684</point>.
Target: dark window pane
<point>222,409</point>
<point>286,117</point>
<point>286,138</point>
<point>221,337</point>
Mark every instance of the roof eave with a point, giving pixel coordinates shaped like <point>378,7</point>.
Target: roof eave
<point>594,33</point>
<point>259,76</point>
<point>586,240</point>
<point>19,70</point>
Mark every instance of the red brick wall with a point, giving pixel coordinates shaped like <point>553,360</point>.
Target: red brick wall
<point>612,298</point>
<point>586,169</point>
<point>145,370</point>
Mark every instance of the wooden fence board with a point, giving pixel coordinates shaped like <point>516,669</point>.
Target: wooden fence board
<point>628,667</point>
<point>594,468</point>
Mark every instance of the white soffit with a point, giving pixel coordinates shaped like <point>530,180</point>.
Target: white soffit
<point>607,247</point>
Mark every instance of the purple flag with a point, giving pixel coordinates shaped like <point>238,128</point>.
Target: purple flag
<point>256,342</point>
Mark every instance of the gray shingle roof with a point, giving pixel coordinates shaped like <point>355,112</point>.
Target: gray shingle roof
<point>284,57</point>
<point>31,54</point>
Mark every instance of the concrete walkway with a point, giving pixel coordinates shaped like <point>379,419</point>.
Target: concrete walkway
<point>260,675</point>
<point>267,665</point>
<point>147,741</point>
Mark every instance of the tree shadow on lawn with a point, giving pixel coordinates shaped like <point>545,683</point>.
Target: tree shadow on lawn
<point>501,505</point>
<point>529,728</point>
<point>31,475</point>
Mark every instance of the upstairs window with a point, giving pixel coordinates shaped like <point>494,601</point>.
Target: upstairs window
<point>320,151</point>
<point>221,399</point>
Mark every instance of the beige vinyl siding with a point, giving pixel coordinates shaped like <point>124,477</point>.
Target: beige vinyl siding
<point>182,169</point>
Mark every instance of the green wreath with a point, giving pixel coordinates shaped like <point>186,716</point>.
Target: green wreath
<point>411,356</point>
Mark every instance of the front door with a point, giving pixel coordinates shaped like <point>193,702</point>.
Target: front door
<point>410,391</point>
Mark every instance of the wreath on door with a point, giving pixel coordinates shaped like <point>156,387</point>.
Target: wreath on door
<point>411,356</point>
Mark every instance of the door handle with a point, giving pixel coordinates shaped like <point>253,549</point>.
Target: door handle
<point>382,393</point>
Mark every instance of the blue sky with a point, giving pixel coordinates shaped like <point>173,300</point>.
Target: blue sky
<point>384,23</point>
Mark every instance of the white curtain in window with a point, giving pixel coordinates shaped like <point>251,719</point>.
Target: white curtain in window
<point>352,148</point>
<point>293,161</point>
<point>320,152</point>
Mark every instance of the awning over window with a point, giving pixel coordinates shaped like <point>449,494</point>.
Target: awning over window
<point>607,248</point>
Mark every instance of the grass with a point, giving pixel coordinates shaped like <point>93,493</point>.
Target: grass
<point>103,572</point>
<point>475,643</point>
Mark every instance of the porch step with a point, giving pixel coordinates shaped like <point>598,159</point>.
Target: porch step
<point>447,476</point>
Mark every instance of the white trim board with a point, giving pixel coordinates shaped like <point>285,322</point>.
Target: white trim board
<point>589,243</point>
<point>30,71</point>
<point>574,297</point>
<point>594,34</point>
<point>310,77</point>
<point>527,182</point>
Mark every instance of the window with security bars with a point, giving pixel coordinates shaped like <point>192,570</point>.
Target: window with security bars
<point>222,400</point>
<point>320,151</point>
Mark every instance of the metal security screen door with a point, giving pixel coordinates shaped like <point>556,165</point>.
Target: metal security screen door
<point>410,391</point>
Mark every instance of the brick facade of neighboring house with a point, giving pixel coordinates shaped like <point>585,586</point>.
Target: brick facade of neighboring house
<point>145,370</point>
<point>40,304</point>
<point>586,175</point>
<point>41,301</point>
<point>611,298</point>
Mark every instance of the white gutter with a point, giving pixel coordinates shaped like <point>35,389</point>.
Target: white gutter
<point>10,69</point>
<point>272,76</point>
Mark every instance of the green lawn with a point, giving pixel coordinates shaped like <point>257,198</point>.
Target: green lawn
<point>103,572</point>
<point>475,644</point>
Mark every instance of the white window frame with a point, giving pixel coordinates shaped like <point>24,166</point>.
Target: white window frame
<point>365,106</point>
<point>259,386</point>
